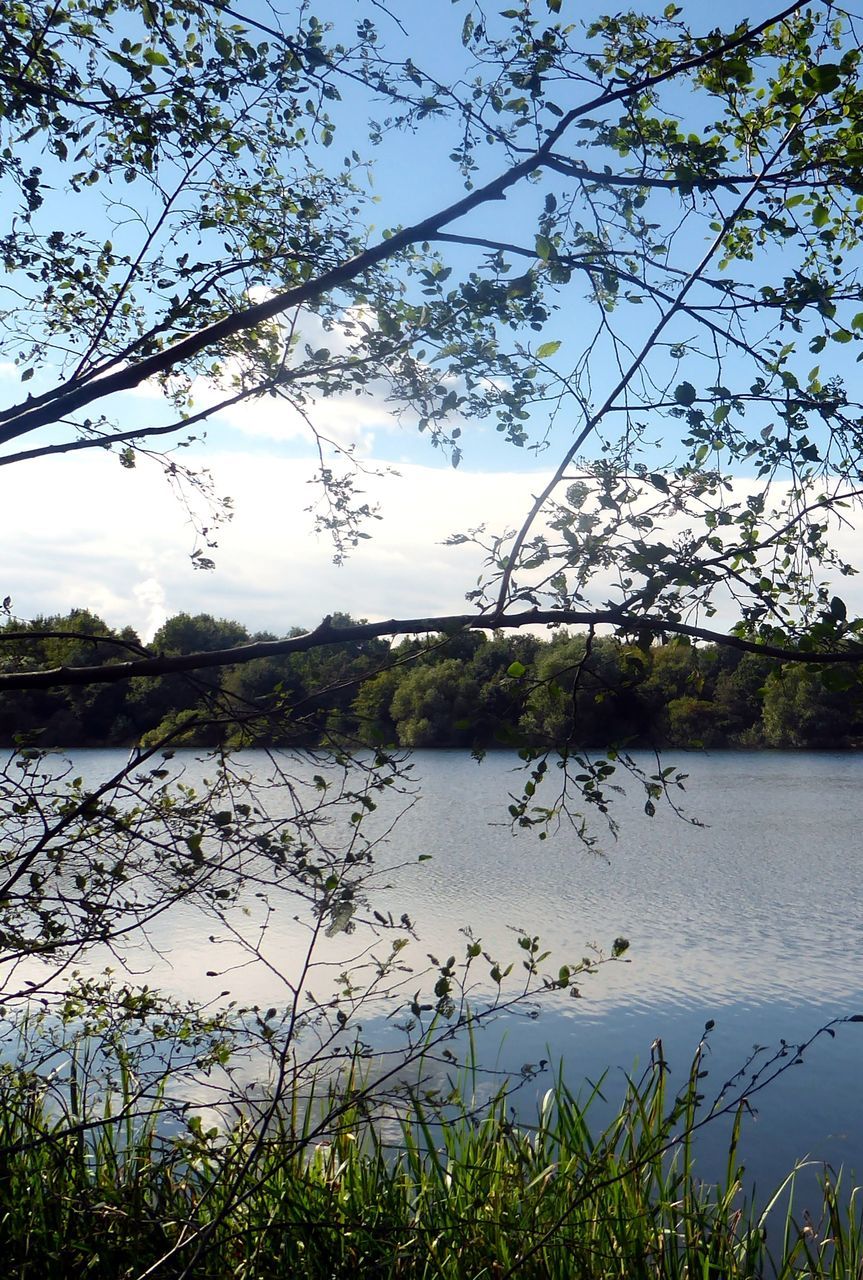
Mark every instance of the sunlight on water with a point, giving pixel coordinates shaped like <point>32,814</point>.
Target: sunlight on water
<point>753,919</point>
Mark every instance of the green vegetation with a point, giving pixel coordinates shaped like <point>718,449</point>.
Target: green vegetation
<point>467,690</point>
<point>327,1193</point>
<point>626,241</point>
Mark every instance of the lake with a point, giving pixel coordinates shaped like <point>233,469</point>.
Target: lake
<point>753,920</point>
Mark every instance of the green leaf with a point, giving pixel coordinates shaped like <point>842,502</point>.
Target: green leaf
<point>516,670</point>
<point>546,350</point>
<point>521,287</point>
<point>154,58</point>
<point>824,78</point>
<point>835,681</point>
<point>193,844</point>
<point>820,215</point>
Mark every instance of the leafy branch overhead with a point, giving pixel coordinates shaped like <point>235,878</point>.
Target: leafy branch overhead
<point>640,232</point>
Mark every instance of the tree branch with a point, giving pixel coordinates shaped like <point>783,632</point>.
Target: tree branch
<point>328,634</point>
<point>576,263</point>
<point>70,396</point>
<point>635,365</point>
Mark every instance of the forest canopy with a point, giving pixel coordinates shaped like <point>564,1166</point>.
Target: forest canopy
<point>570,690</point>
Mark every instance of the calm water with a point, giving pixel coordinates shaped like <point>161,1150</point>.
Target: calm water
<point>754,920</point>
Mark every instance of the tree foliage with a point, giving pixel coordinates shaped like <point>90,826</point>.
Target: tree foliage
<point>636,256</point>
<point>690,199</point>
<point>503,692</point>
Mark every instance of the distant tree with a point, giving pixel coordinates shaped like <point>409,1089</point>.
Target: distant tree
<point>584,692</point>
<point>549,711</point>
<point>739,697</point>
<point>501,695</point>
<point>372,708</point>
<point>671,674</point>
<point>184,633</point>
<point>85,716</point>
<point>693,722</point>
<point>434,706</point>
<point>803,710</point>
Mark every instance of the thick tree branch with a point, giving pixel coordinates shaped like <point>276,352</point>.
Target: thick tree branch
<point>327,634</point>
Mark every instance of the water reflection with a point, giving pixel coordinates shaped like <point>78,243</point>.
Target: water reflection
<point>752,919</point>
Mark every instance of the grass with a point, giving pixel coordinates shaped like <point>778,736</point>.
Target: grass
<point>476,1198</point>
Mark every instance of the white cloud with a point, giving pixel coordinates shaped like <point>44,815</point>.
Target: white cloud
<point>82,531</point>
<point>150,597</point>
<point>350,421</point>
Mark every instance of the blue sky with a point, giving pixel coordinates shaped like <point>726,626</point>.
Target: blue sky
<point>82,531</point>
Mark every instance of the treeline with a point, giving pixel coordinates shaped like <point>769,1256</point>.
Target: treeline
<point>467,690</point>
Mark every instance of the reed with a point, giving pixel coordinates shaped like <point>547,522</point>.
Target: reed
<point>442,1193</point>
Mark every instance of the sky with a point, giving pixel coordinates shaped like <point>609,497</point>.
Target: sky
<point>119,542</point>
<point>81,531</point>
